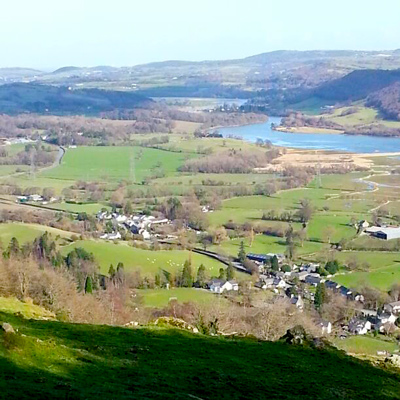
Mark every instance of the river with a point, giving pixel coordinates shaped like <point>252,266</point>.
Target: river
<point>322,141</point>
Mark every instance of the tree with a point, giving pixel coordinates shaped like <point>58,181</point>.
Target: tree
<point>332,267</point>
<point>291,251</point>
<point>201,276</point>
<point>88,285</point>
<point>328,232</point>
<point>230,273</point>
<point>222,274</point>
<point>320,296</point>
<point>111,272</point>
<point>305,211</point>
<point>242,253</point>
<point>128,209</point>
<point>274,263</point>
<point>187,278</point>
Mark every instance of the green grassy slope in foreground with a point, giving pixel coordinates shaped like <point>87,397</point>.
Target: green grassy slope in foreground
<point>53,360</point>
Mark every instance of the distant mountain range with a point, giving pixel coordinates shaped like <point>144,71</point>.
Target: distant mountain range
<point>273,70</point>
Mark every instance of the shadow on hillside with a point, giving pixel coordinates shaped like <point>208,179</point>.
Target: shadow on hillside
<point>83,361</point>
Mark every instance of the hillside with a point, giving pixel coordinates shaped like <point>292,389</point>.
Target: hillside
<point>21,97</point>
<point>47,359</point>
<point>357,85</point>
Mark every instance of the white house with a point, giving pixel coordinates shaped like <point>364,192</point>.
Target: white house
<point>359,327</point>
<point>220,286</point>
<point>386,317</point>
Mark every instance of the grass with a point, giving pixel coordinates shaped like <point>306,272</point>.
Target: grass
<point>363,116</point>
<point>26,232</point>
<point>109,164</point>
<point>12,169</point>
<point>264,244</point>
<point>161,297</point>
<point>26,309</point>
<point>381,278</point>
<point>53,360</point>
<point>90,208</point>
<point>365,345</point>
<point>147,261</point>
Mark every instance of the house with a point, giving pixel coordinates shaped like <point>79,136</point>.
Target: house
<point>261,258</point>
<point>302,275</point>
<point>220,286</point>
<point>313,279</point>
<point>111,236</point>
<point>363,224</point>
<point>279,283</point>
<point>332,285</point>
<point>359,327</point>
<point>35,197</point>
<point>326,327</point>
<point>297,301</point>
<point>393,307</point>
<point>386,317</point>
<point>265,283</point>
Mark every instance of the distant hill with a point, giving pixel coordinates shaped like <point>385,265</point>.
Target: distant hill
<point>56,360</point>
<point>36,98</point>
<point>65,69</point>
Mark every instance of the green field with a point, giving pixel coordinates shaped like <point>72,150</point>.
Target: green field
<point>113,164</point>
<point>380,278</point>
<point>26,232</point>
<point>90,208</point>
<point>363,116</point>
<point>12,169</point>
<point>26,309</point>
<point>147,261</point>
<point>55,360</point>
<point>264,244</point>
<point>161,297</point>
<point>365,345</point>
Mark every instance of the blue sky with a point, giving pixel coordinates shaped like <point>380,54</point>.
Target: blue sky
<point>55,33</point>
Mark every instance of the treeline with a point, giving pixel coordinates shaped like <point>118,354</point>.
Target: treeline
<point>232,161</point>
<point>33,154</point>
<point>298,120</point>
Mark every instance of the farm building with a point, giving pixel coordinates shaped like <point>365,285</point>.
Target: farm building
<point>388,233</point>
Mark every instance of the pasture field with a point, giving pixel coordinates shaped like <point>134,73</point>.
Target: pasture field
<point>392,180</point>
<point>185,126</point>
<point>161,297</point>
<point>191,144</point>
<point>217,179</point>
<point>12,169</point>
<point>264,244</point>
<point>147,261</point>
<point>365,345</point>
<point>90,208</point>
<point>363,116</point>
<point>113,164</point>
<point>382,278</point>
<point>27,232</point>
<point>26,181</point>
<point>344,182</point>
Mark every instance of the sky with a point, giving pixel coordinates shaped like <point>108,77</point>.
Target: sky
<point>47,34</point>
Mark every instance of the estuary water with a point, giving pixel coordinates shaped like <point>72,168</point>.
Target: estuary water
<point>321,141</point>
